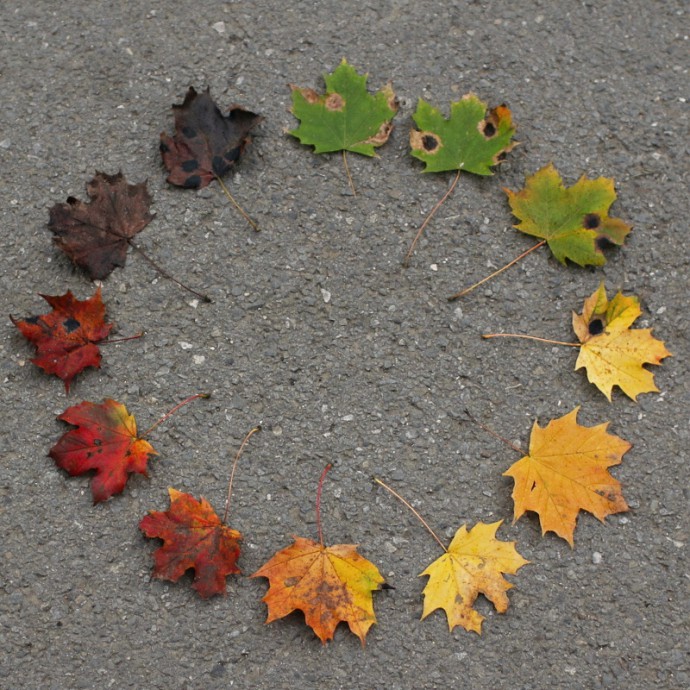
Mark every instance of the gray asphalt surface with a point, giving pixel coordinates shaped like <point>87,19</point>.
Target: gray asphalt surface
<point>318,334</point>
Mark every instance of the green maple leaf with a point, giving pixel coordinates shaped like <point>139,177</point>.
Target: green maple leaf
<point>347,117</point>
<point>471,139</point>
<point>574,221</point>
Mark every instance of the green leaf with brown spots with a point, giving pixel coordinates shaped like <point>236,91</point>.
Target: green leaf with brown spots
<point>574,221</point>
<point>472,139</point>
<point>347,117</point>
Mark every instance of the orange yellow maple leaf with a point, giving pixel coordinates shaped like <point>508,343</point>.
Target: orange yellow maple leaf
<point>611,352</point>
<point>328,584</point>
<point>565,472</point>
<point>473,564</point>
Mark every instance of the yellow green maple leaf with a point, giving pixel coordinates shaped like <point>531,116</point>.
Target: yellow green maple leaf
<point>566,471</point>
<point>612,353</point>
<point>473,564</point>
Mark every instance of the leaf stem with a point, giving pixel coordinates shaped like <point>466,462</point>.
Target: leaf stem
<point>167,275</point>
<point>244,214</point>
<point>318,501</point>
<point>172,412</point>
<point>408,256</point>
<point>122,340</point>
<point>462,293</point>
<point>347,172</point>
<point>232,473</point>
<point>416,514</point>
<point>493,433</point>
<point>486,336</point>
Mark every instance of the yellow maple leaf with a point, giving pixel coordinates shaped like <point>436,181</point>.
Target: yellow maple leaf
<point>565,472</point>
<point>473,564</point>
<point>329,584</point>
<point>612,353</point>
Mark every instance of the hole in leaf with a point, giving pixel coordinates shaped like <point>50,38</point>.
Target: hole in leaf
<point>71,325</point>
<point>591,221</point>
<point>596,326</point>
<point>489,130</point>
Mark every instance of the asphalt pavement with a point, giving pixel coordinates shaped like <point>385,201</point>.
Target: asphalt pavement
<point>317,333</point>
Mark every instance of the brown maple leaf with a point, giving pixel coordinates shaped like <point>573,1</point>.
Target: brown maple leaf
<point>105,440</point>
<point>565,472</point>
<point>66,338</point>
<point>206,143</point>
<point>329,584</point>
<point>95,235</point>
<point>193,537</point>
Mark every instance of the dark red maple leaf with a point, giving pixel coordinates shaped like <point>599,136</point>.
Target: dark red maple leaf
<point>193,537</point>
<point>206,143</point>
<point>95,235</point>
<point>66,338</point>
<point>105,440</point>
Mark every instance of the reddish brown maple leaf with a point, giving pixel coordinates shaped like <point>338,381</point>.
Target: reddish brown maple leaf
<point>66,338</point>
<point>95,235</point>
<point>105,440</point>
<point>193,537</point>
<point>206,144</point>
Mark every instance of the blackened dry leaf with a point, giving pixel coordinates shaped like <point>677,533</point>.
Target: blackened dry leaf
<point>95,235</point>
<point>206,143</point>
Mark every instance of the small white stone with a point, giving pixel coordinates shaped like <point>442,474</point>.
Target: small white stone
<point>199,359</point>
<point>434,267</point>
<point>326,295</point>
<point>219,27</point>
<point>194,303</point>
<point>348,417</point>
<point>184,345</point>
<point>596,558</point>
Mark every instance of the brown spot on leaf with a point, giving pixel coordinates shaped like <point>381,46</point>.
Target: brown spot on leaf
<point>425,141</point>
<point>591,221</point>
<point>334,101</point>
<point>381,137</point>
<point>309,95</point>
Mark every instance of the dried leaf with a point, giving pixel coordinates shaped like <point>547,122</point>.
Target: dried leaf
<point>95,235</point>
<point>565,472</point>
<point>105,440</point>
<point>329,584</point>
<point>472,565</point>
<point>193,537</point>
<point>206,144</point>
<point>612,353</point>
<point>66,338</point>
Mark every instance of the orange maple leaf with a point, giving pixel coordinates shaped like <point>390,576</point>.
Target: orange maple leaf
<point>473,564</point>
<point>565,472</point>
<point>612,353</point>
<point>193,538</point>
<point>329,584</point>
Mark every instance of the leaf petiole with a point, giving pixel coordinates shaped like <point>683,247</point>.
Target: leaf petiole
<point>172,412</point>
<point>244,214</point>
<point>408,256</point>
<point>140,334</point>
<point>232,473</point>
<point>493,433</point>
<point>415,513</point>
<point>464,292</point>
<point>486,336</point>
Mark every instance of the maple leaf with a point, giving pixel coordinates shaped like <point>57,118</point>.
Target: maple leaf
<point>95,235</point>
<point>329,584</point>
<point>612,353</point>
<point>66,338</point>
<point>193,537</point>
<point>104,440</point>
<point>473,564</point>
<point>574,221</point>
<point>471,139</point>
<point>206,143</point>
<point>347,117</point>
<point>565,472</point>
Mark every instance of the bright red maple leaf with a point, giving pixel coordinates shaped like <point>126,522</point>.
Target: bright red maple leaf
<point>66,338</point>
<point>105,440</point>
<point>193,537</point>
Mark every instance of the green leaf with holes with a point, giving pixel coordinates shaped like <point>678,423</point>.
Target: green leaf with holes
<point>472,139</point>
<point>347,117</point>
<point>574,221</point>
